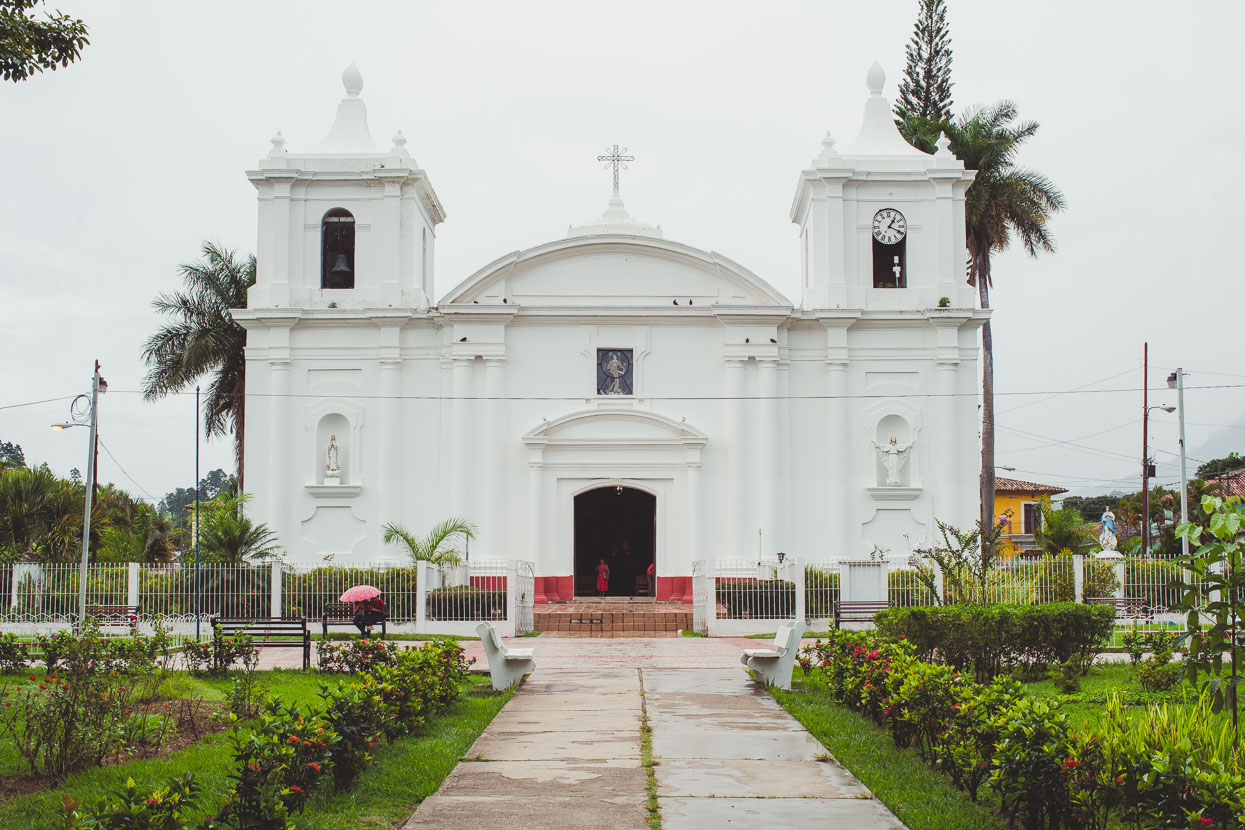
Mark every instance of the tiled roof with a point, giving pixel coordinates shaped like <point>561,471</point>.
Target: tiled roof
<point>1231,484</point>
<point>1012,485</point>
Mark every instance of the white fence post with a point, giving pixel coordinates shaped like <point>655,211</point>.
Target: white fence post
<point>1078,577</point>
<point>512,596</point>
<point>421,595</point>
<point>274,608</point>
<point>938,588</point>
<point>711,595</point>
<point>131,585</point>
<point>801,614</point>
<point>1119,577</point>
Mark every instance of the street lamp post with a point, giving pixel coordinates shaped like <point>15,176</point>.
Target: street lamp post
<point>91,419</point>
<point>1176,381</point>
<point>1146,475</point>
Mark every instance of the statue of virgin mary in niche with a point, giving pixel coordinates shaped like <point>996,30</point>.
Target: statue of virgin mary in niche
<point>332,462</point>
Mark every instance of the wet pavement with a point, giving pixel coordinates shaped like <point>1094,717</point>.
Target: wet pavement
<point>565,752</point>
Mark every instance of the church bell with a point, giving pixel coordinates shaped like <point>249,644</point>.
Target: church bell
<point>341,266</point>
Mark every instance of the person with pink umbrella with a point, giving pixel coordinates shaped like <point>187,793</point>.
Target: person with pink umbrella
<point>369,607</point>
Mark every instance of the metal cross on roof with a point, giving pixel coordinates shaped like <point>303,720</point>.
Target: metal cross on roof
<point>616,158</point>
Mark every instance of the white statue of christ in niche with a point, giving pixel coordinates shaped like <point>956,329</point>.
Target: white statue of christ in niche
<point>893,457</point>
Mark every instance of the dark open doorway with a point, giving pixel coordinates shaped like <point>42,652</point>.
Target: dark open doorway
<point>617,524</point>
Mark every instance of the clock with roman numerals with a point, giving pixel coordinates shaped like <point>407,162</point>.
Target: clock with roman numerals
<point>889,226</point>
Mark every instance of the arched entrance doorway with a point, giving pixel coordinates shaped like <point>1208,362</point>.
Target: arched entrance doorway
<point>617,524</point>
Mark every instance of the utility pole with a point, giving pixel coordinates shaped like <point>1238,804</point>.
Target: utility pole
<point>1176,379</point>
<point>91,475</point>
<point>1145,450</point>
<point>198,584</point>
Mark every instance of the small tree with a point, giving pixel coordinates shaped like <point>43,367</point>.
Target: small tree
<point>965,563</point>
<point>1215,595</point>
<point>924,105</point>
<point>440,546</point>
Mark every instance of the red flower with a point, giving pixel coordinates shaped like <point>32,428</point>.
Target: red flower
<point>1119,779</point>
<point>153,801</point>
<point>253,766</point>
<point>1205,822</point>
<point>32,677</point>
<point>293,739</point>
<point>314,766</point>
<point>41,686</point>
<point>370,744</point>
<point>53,677</point>
<point>872,654</point>
<point>886,711</point>
<point>8,703</point>
<point>294,788</point>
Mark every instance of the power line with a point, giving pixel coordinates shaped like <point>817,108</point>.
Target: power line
<point>141,488</point>
<point>1057,394</point>
<point>590,395</point>
<point>1055,442</point>
<point>36,403</point>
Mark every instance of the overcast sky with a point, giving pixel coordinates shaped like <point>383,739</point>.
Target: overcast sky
<point>114,170</point>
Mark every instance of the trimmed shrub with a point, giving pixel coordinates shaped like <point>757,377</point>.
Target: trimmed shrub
<point>12,653</point>
<point>821,593</point>
<point>466,603</point>
<point>353,656</point>
<point>990,639</point>
<point>756,598</point>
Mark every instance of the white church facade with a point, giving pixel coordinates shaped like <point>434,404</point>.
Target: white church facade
<point>613,394</point>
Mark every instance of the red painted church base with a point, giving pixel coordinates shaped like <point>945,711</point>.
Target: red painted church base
<point>562,589</point>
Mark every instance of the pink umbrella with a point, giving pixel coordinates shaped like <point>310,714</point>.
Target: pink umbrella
<point>359,593</point>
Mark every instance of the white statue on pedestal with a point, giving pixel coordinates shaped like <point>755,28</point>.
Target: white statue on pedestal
<point>332,464</point>
<point>1108,538</point>
<point>893,456</point>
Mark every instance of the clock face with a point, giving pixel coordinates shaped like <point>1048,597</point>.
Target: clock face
<point>889,226</point>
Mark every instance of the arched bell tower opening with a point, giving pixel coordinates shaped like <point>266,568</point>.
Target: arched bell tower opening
<point>617,524</point>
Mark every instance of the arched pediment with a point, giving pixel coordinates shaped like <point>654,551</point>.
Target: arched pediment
<point>615,270</point>
<point>611,427</point>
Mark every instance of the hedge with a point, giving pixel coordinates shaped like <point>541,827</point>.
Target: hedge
<point>991,639</point>
<point>756,598</point>
<point>466,603</point>
<point>1167,768</point>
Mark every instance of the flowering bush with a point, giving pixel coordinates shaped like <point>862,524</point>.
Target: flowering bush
<point>217,655</point>
<point>358,717</point>
<point>1172,768</point>
<point>280,760</point>
<point>12,653</point>
<point>354,656</point>
<point>173,806</point>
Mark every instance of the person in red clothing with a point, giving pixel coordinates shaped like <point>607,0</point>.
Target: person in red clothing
<point>603,578</point>
<point>650,573</point>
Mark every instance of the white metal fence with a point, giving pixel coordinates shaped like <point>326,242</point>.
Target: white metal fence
<point>424,599</point>
<point>742,596</point>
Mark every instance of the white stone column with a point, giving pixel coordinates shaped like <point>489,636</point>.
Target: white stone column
<point>735,447</point>
<point>492,467</point>
<point>460,442</point>
<point>388,442</point>
<point>283,477</point>
<point>942,483</point>
<point>694,545</point>
<point>836,531</point>
<point>769,462</point>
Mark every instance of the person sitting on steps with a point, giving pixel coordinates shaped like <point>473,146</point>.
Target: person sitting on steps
<point>368,613</point>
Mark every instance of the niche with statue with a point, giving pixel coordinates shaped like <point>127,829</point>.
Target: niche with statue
<point>893,446</point>
<point>333,439</point>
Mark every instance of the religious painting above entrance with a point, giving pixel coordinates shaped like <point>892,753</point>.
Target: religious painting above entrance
<point>615,372</point>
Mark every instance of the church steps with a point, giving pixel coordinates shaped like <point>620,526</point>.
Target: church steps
<point>613,617</point>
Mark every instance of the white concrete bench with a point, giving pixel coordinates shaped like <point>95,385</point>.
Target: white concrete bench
<point>506,666</point>
<point>775,667</point>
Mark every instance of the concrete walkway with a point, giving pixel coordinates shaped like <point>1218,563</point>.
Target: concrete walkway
<point>565,752</point>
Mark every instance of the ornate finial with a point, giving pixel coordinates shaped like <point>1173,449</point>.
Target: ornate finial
<point>876,79</point>
<point>944,145</point>
<point>399,144</point>
<point>278,145</point>
<point>616,158</point>
<point>352,79</point>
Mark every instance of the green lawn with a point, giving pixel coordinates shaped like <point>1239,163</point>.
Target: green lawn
<point>405,772</point>
<point>920,797</point>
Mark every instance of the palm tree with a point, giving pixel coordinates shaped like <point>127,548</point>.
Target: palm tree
<point>201,338</point>
<point>438,547</point>
<point>227,535</point>
<point>1003,200</point>
<point>1063,530</point>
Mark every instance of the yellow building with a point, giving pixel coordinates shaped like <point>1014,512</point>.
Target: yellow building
<point>1019,505</point>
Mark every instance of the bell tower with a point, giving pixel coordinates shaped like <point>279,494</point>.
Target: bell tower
<point>346,224</point>
<point>882,223</point>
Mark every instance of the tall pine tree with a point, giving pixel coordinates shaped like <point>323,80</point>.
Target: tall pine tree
<point>926,89</point>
